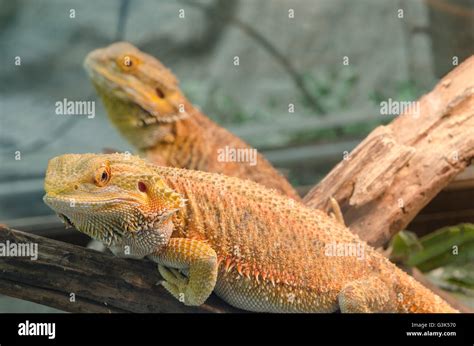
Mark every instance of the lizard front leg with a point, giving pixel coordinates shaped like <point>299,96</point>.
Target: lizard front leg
<point>193,256</point>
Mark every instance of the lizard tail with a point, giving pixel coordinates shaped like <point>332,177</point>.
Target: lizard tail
<point>413,297</point>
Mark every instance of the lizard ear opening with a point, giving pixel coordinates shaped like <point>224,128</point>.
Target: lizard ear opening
<point>141,186</point>
<point>160,93</point>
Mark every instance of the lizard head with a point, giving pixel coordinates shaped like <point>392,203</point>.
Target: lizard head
<point>117,199</point>
<point>140,94</point>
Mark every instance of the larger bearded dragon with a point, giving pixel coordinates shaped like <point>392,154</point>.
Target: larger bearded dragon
<point>257,250</point>
<point>143,100</point>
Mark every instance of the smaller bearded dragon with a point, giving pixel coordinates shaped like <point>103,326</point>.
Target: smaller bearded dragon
<point>143,100</point>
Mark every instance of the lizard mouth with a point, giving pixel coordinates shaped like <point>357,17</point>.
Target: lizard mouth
<point>67,221</point>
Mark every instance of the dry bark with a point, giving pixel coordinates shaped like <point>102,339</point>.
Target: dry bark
<point>391,175</point>
<point>99,281</point>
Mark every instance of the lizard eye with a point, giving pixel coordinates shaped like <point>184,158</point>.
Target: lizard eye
<point>127,62</point>
<point>102,175</point>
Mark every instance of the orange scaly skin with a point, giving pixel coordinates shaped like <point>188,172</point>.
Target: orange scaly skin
<point>257,250</point>
<point>144,102</point>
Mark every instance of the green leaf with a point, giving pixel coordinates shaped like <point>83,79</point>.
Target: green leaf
<point>447,246</point>
<point>403,245</point>
<point>461,276</point>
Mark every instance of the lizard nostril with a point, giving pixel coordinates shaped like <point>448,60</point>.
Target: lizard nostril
<point>160,93</point>
<point>76,187</point>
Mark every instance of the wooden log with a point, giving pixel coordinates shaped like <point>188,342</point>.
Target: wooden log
<point>392,174</point>
<point>100,282</point>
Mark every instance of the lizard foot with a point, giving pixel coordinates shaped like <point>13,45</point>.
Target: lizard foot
<point>174,282</point>
<point>197,260</point>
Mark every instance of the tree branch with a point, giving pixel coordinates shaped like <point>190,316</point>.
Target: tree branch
<point>99,281</point>
<point>391,175</point>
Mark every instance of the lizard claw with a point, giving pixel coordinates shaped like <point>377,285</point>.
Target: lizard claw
<point>173,276</point>
<point>174,282</point>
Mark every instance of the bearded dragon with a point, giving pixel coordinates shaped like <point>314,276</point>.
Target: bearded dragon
<point>257,250</point>
<point>143,100</point>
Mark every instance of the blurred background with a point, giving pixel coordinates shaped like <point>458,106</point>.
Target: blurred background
<point>334,60</point>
